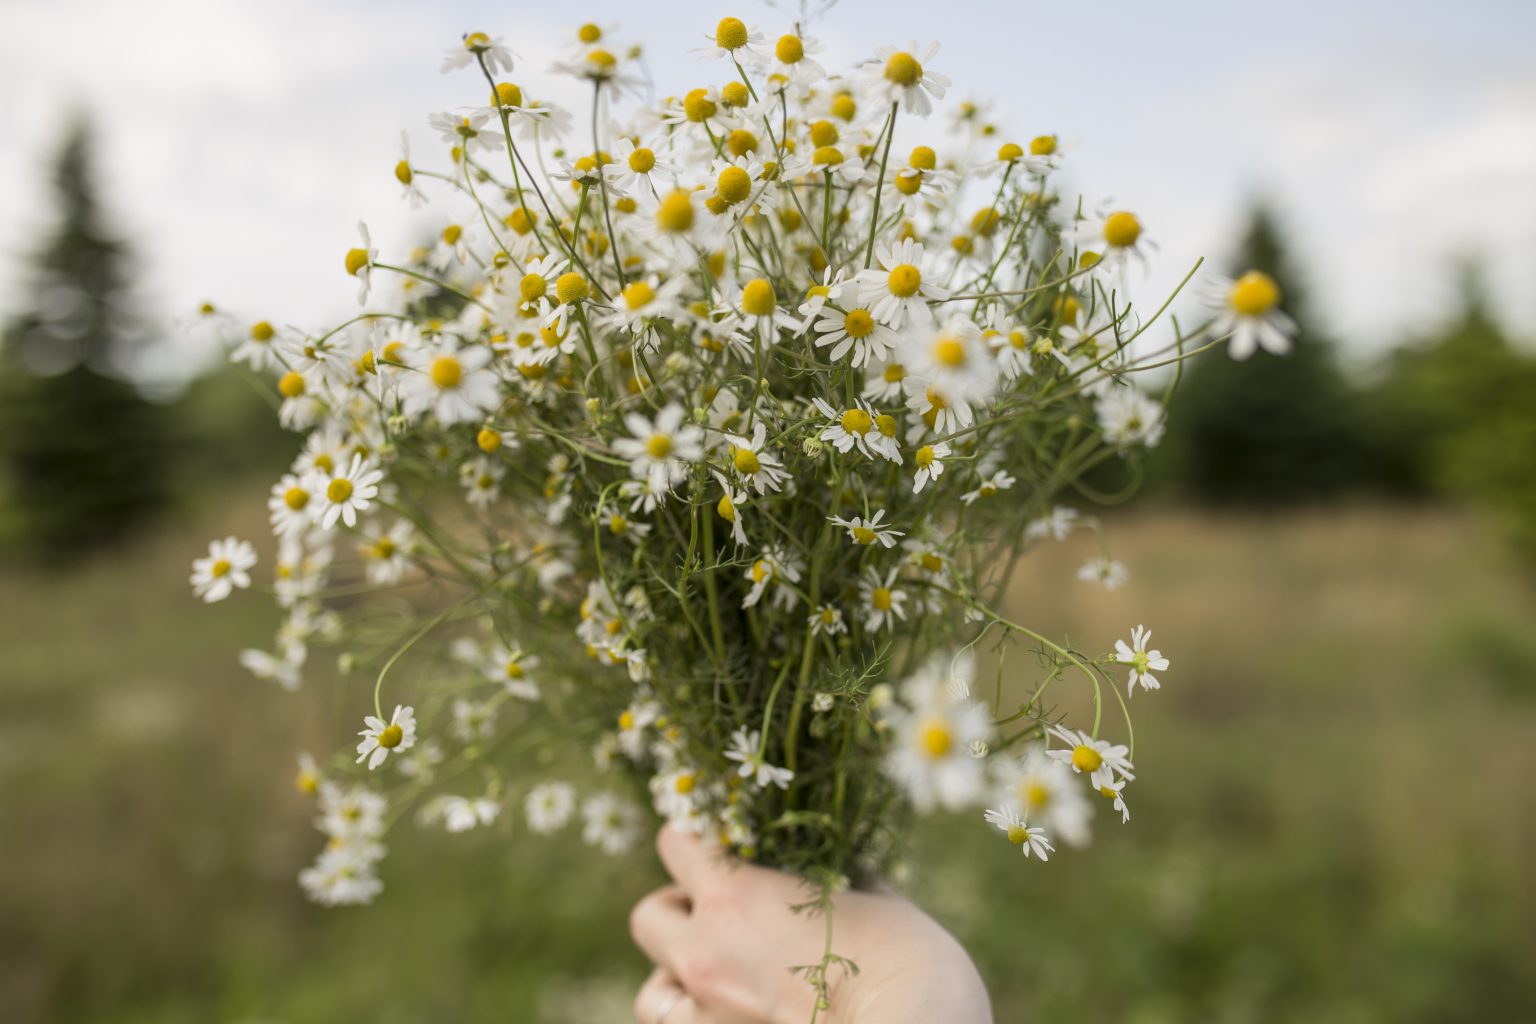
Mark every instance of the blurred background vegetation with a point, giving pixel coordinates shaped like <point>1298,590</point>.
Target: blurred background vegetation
<point>1332,822</point>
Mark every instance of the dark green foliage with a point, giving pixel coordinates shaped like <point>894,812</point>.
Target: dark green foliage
<point>82,452</point>
<point>1456,414</point>
<point>1272,428</point>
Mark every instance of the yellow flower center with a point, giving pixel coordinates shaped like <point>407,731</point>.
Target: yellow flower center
<point>741,142</point>
<point>684,783</point>
<point>932,562</point>
<point>858,323</point>
<point>601,59</point>
<point>642,160</point>
<point>936,739</point>
<point>1086,759</point>
<point>844,107</point>
<point>895,373</point>
<point>745,461</point>
<point>533,287</point>
<point>823,133</point>
<point>452,233</point>
<point>733,185</point>
<point>675,214</point>
<point>827,156</point>
<point>1254,294</point>
<point>391,736</point>
<point>446,372</point>
<point>356,260</point>
<point>1017,834</point>
<point>383,548</point>
<point>904,280</point>
<point>339,490</point>
<point>1042,145</point>
<point>520,221</point>
<point>698,107</point>
<point>886,424</point>
<point>403,172</point>
<point>735,94</point>
<point>291,384</point>
<point>1036,795</point>
<point>908,182</point>
<point>571,287</point>
<point>659,446</point>
<point>903,69</point>
<point>626,720</point>
<point>757,297</point>
<point>220,568</point>
<point>487,440</point>
<point>731,34</point>
<point>476,41</point>
<point>949,351</point>
<point>924,457</point>
<point>638,294</point>
<point>1009,152</point>
<point>617,524</point>
<point>760,571</point>
<point>508,95</point>
<point>589,33</point>
<point>726,509</point>
<point>863,535</point>
<point>856,421</point>
<point>881,598</point>
<point>1121,229</point>
<point>296,498</point>
<point>923,158</point>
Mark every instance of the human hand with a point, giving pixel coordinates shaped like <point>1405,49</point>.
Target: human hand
<point>723,939</point>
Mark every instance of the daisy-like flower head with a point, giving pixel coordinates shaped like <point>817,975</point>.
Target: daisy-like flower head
<point>827,620</point>
<point>1112,240</point>
<point>659,451</point>
<point>642,165</point>
<point>933,733</point>
<point>882,602</point>
<point>952,361</point>
<point>900,76</point>
<point>758,307</point>
<point>1044,791</point>
<point>467,133</point>
<point>1115,792</point>
<point>774,569</point>
<point>1028,838</point>
<point>753,462</point>
<point>226,567</point>
<point>1106,572</point>
<point>790,62</point>
<point>387,555</point>
<point>860,428</point>
<point>549,806</point>
<point>869,531</point>
<point>929,460</point>
<point>899,291</point>
<point>345,492</point>
<point>1057,524</point>
<point>734,40</point>
<point>1000,480</point>
<point>456,385</point>
<point>478,45</point>
<point>343,875</point>
<point>291,506</point>
<point>359,262</point>
<point>854,331</point>
<point>610,823</point>
<point>1249,310</point>
<point>1100,760</point>
<point>1128,417</point>
<point>1143,661</point>
<point>745,749</point>
<point>381,738</point>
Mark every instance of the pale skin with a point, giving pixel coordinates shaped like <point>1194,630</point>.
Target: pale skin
<point>723,938</point>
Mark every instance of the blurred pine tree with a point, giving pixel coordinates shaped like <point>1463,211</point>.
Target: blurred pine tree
<point>1271,429</point>
<point>83,455</point>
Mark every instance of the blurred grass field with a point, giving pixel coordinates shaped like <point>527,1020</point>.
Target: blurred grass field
<point>1332,822</point>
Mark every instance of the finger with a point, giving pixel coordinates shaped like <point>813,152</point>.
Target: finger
<point>688,859</point>
<point>659,926</point>
<point>661,1000</point>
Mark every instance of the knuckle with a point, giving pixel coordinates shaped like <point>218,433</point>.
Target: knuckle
<point>699,973</point>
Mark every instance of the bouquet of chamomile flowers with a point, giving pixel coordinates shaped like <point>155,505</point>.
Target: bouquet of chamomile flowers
<point>706,436</point>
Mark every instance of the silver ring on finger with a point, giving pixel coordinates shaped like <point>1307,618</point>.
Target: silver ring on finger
<point>668,1005</point>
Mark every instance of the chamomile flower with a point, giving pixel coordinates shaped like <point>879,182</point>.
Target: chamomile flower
<point>730,508</point>
<point>827,621</point>
<point>478,46</point>
<point>406,175</point>
<point>453,384</point>
<point>381,738</point>
<point>345,492</point>
<point>467,133</point>
<point>259,349</point>
<point>290,506</point>
<point>1045,792</point>
<point>659,451</point>
<point>753,462</point>
<point>773,570</point>
<point>745,750</point>
<point>610,823</point>
<point>549,807</point>
<point>1028,838</point>
<point>1115,792</point>
<point>387,556</point>
<point>929,460</point>
<point>1100,760</point>
<point>882,602</point>
<point>225,569</point>
<point>932,735</point>
<point>1001,480</point>
<point>854,332</point>
<point>790,61</point>
<point>1127,417</point>
<point>899,76</point>
<point>1106,572</point>
<point>1057,524</point>
<point>282,669</point>
<point>869,531</point>
<point>460,814</point>
<point>734,41</point>
<point>635,165</point>
<point>1114,239</point>
<point>758,308</point>
<point>952,362</point>
<point>859,428</point>
<point>359,262</point>
<point>1249,309</point>
<point>342,875</point>
<point>884,381</point>
<point>1143,661</point>
<point>898,292</point>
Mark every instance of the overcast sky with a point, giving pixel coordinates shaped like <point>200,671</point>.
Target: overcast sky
<point>241,141</point>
